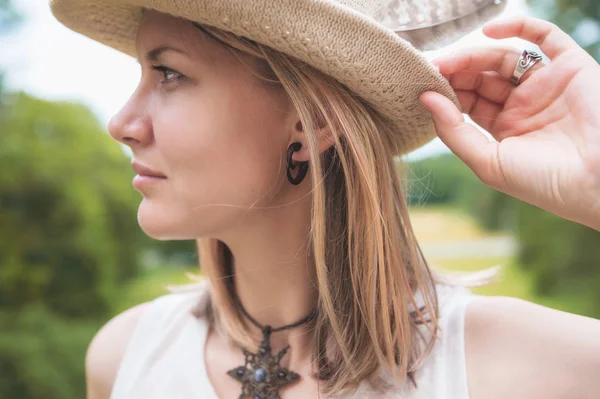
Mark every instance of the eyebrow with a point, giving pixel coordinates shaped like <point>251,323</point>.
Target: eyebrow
<point>154,54</point>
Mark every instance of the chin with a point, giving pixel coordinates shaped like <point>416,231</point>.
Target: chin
<point>164,224</point>
<point>154,222</point>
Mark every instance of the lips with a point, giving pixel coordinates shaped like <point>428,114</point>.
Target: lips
<point>144,170</point>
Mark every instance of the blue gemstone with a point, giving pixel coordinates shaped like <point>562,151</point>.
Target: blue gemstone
<point>260,375</point>
<point>256,397</point>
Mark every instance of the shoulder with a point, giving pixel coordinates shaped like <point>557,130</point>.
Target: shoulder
<point>106,350</point>
<point>518,349</point>
<point>134,328</point>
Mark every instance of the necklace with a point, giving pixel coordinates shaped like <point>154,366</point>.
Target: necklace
<point>262,375</point>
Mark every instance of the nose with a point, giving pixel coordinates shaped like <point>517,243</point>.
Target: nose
<point>131,125</point>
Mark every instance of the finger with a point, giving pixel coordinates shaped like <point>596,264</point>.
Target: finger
<point>489,85</point>
<point>469,144</point>
<point>498,59</point>
<point>482,111</point>
<point>547,36</point>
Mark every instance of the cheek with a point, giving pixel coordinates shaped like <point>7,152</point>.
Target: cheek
<point>221,162</point>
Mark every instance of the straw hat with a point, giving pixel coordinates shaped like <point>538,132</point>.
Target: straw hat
<point>371,46</point>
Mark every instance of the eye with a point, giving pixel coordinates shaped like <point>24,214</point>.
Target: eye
<point>168,74</point>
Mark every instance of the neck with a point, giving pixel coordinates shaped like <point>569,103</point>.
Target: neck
<point>274,275</point>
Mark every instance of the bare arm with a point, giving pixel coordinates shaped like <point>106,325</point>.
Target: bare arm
<point>106,350</point>
<point>517,349</point>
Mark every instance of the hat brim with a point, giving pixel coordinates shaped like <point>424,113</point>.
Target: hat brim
<point>372,61</point>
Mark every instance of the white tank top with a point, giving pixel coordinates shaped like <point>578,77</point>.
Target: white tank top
<point>165,355</point>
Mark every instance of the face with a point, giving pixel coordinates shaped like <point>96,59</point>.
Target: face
<point>200,118</point>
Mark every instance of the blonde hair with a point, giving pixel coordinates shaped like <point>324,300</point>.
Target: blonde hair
<point>369,266</point>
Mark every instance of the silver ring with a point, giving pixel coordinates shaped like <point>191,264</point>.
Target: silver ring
<point>527,59</point>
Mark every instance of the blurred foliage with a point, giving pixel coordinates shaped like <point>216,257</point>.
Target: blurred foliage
<point>561,257</point>
<point>42,355</point>
<point>445,179</point>
<point>69,242</point>
<point>439,180</point>
<point>579,18</point>
<point>152,283</point>
<point>69,211</point>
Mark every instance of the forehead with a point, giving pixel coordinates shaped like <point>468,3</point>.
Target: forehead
<point>157,29</point>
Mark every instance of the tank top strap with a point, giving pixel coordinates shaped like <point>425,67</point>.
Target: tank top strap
<point>158,327</point>
<point>443,373</point>
<point>449,360</point>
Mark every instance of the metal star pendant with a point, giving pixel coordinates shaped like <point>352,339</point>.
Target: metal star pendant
<point>261,375</point>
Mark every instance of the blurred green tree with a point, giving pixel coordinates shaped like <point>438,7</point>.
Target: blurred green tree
<point>561,256</point>
<point>446,180</point>
<point>579,18</point>
<point>68,228</point>
<point>439,180</point>
<point>42,354</point>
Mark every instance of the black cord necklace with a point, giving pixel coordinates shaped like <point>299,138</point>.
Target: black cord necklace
<point>261,375</point>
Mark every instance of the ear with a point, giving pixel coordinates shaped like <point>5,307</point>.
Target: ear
<point>324,141</point>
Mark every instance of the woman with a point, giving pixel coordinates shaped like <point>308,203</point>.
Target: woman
<point>276,150</point>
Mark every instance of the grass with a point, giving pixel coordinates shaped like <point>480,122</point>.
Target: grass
<point>511,280</point>
<point>515,282</point>
<point>438,224</point>
<point>446,224</point>
<point>443,223</point>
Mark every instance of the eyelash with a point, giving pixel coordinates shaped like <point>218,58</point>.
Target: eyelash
<point>164,70</point>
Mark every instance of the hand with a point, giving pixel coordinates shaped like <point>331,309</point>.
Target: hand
<point>547,128</point>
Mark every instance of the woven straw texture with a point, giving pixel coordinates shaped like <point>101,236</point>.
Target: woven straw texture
<point>342,38</point>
